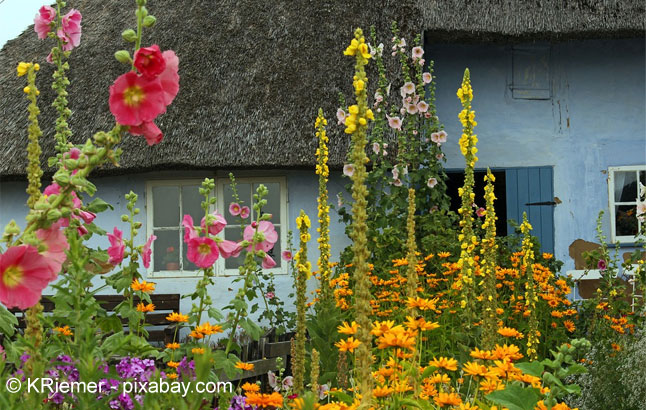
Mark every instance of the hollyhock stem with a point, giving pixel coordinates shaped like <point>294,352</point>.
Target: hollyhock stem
<point>489,247</point>
<point>34,172</point>
<point>61,82</point>
<point>411,245</point>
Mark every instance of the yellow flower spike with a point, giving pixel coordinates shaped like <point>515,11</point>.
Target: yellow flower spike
<point>363,49</point>
<point>23,68</point>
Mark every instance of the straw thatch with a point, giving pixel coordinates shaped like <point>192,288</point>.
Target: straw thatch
<point>254,73</point>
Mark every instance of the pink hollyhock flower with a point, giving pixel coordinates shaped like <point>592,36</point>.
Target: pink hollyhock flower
<point>24,273</point>
<point>270,295</point>
<point>70,31</point>
<point>288,382</point>
<point>217,225</point>
<point>422,106</point>
<point>203,252</point>
<point>189,228</point>
<point>378,97</point>
<point>43,20</point>
<point>117,247</point>
<point>272,380</point>
<point>407,88</point>
<point>641,208</point>
<point>439,156</point>
<point>421,62</point>
<point>229,248</point>
<point>147,251</point>
<point>149,61</point>
<point>395,173</point>
<point>340,116</point>
<point>431,182</point>
<point>439,137</point>
<point>348,170</point>
<point>286,255</point>
<point>394,123</point>
<point>427,78</point>
<point>135,99</point>
<point>481,212</point>
<point>411,108</point>
<point>268,262</point>
<point>375,147</point>
<point>169,78</point>
<point>149,130</point>
<point>397,182</point>
<point>245,212</point>
<point>268,231</point>
<point>417,52</point>
<point>234,209</point>
<point>601,265</point>
<point>55,243</point>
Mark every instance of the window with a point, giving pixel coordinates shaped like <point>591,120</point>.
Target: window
<point>276,206</point>
<point>531,72</point>
<point>168,201</point>
<point>623,194</point>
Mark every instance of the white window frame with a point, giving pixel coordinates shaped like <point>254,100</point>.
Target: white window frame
<point>221,182</point>
<point>612,203</point>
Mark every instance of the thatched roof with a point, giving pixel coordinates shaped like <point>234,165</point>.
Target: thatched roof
<point>253,73</point>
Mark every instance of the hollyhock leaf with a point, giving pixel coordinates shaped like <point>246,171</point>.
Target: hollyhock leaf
<point>8,322</point>
<point>98,205</point>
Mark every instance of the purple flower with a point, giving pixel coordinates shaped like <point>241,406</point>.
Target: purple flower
<point>601,265</point>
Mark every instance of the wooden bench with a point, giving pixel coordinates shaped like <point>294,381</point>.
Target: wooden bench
<point>162,330</point>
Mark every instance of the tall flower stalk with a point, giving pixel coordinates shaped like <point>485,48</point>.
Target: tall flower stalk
<point>467,237</point>
<point>488,251</point>
<point>34,172</point>
<point>303,272</point>
<point>356,125</point>
<point>411,246</point>
<point>323,171</point>
<point>530,289</point>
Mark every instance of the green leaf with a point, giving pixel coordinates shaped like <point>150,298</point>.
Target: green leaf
<point>575,369</point>
<point>515,397</point>
<point>532,368</point>
<point>8,322</point>
<point>344,397</point>
<point>98,205</point>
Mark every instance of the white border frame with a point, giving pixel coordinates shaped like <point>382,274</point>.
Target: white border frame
<point>612,203</point>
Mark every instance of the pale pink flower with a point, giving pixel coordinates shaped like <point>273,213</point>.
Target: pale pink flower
<point>229,248</point>
<point>402,43</point>
<point>395,173</point>
<point>288,382</point>
<point>432,182</point>
<point>245,212</point>
<point>189,228</point>
<point>395,123</point>
<point>268,262</point>
<point>421,62</point>
<point>481,212</point>
<point>287,256</point>
<point>323,389</point>
<point>340,116</point>
<point>407,88</point>
<point>70,31</point>
<point>218,223</point>
<point>203,252</point>
<point>411,108</point>
<point>422,106</point>
<point>439,137</point>
<point>427,78</point>
<point>146,251</point>
<point>272,380</point>
<point>397,182</point>
<point>348,170</point>
<point>417,52</point>
<point>385,153</point>
<point>375,147</point>
<point>339,200</point>
<point>270,295</point>
<point>55,243</point>
<point>267,229</point>
<point>378,97</point>
<point>43,20</point>
<point>641,208</point>
<point>439,156</point>
<point>24,273</point>
<point>117,247</point>
<point>234,209</point>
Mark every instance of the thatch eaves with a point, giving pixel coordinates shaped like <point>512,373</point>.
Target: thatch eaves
<point>253,74</point>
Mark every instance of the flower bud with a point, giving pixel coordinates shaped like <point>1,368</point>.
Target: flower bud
<point>123,56</point>
<point>62,178</point>
<point>149,21</point>
<point>12,228</point>
<point>129,35</point>
<point>65,212</point>
<point>54,215</point>
<point>124,218</point>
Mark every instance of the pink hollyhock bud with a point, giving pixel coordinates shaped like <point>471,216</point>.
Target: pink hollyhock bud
<point>86,216</point>
<point>203,252</point>
<point>70,31</point>
<point>286,255</point>
<point>117,247</point>
<point>229,248</point>
<point>270,295</point>
<point>149,130</point>
<point>24,273</point>
<point>268,262</point>
<point>234,209</point>
<point>217,224</point>
<point>147,251</point>
<point>245,212</point>
<point>135,99</point>
<point>149,61</point>
<point>189,228</point>
<point>43,20</point>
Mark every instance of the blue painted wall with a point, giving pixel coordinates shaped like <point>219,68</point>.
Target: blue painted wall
<point>594,119</point>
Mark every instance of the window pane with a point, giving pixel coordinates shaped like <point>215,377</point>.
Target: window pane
<point>233,234</point>
<point>642,179</point>
<point>165,206</point>
<point>625,186</point>
<point>166,250</point>
<point>273,201</point>
<point>626,220</point>
<point>244,194</point>
<point>192,202</point>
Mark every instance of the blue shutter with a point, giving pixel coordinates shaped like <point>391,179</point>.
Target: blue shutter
<point>530,190</point>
